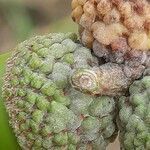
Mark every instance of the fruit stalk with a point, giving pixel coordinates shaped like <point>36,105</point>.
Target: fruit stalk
<point>108,79</point>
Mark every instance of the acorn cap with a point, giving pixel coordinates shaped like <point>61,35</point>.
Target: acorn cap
<point>108,21</point>
<point>134,116</point>
<point>117,31</point>
<point>45,111</point>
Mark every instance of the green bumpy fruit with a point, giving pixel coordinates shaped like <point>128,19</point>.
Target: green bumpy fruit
<point>45,111</point>
<point>134,116</point>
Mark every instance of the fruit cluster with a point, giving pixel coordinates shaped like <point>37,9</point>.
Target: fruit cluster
<point>61,95</point>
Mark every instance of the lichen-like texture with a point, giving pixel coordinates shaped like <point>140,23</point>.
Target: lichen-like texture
<point>134,116</point>
<point>45,112</point>
<point>116,30</point>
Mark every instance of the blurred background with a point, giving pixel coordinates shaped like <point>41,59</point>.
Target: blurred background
<point>21,19</point>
